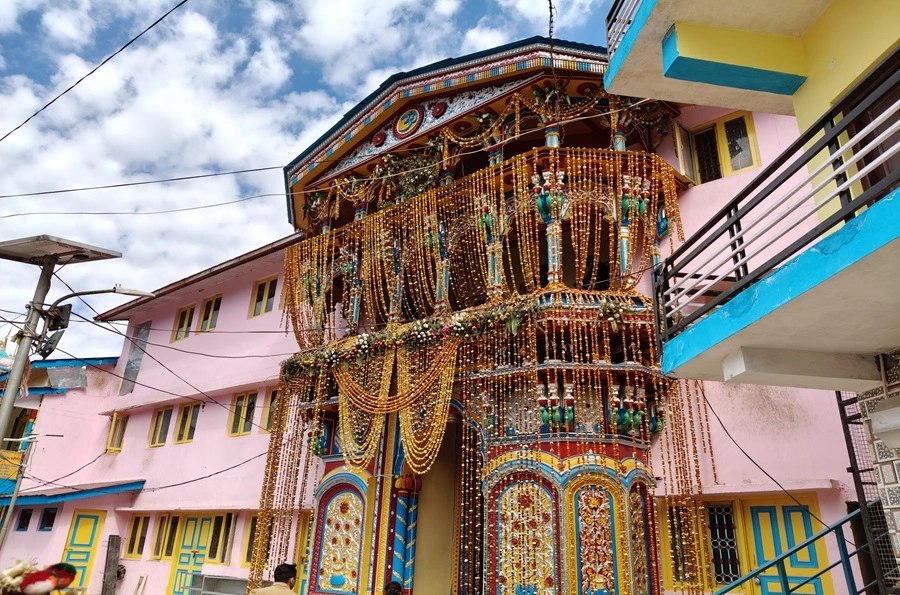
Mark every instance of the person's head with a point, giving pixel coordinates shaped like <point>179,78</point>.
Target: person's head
<point>286,573</point>
<point>393,588</point>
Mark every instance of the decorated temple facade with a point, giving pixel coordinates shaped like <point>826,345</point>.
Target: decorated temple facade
<point>469,397</point>
<point>478,368</point>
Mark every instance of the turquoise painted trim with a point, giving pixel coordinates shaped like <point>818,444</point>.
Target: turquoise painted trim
<point>336,479</point>
<point>676,66</point>
<point>871,230</point>
<point>75,363</point>
<point>618,58</point>
<point>755,512</point>
<point>39,499</point>
<point>787,512</point>
<point>70,363</point>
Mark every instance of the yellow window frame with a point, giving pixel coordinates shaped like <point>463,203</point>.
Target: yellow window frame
<point>225,535</point>
<point>250,529</point>
<point>165,542</point>
<point>187,423</point>
<point>237,419</point>
<point>209,314</point>
<point>184,319</point>
<point>116,436</point>
<point>159,431</point>
<point>159,537</point>
<point>269,410</point>
<point>269,285</point>
<point>722,143</point>
<point>137,536</point>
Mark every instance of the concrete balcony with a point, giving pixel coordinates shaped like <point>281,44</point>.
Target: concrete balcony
<point>796,283</point>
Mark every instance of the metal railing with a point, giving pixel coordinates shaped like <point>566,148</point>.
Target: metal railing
<point>833,171</point>
<point>618,21</point>
<point>788,584</point>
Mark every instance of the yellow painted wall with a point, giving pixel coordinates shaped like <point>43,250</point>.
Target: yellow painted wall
<point>742,48</point>
<point>434,537</point>
<point>848,39</point>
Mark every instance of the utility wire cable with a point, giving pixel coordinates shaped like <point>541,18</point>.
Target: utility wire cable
<point>159,212</point>
<point>137,344</point>
<point>96,68</point>
<point>278,167</point>
<point>760,467</point>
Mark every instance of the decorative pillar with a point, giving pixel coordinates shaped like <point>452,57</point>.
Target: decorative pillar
<point>406,499</point>
<point>349,265</point>
<point>362,208</point>
<point>551,135</point>
<point>493,229</point>
<point>436,236</point>
<point>495,154</point>
<point>445,178</point>
<point>552,205</point>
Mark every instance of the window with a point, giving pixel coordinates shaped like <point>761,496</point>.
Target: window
<point>210,313</point>
<point>187,423</point>
<point>116,433</point>
<point>242,414</point>
<point>684,560</point>
<point>220,540</point>
<point>183,321</point>
<point>717,149</point>
<point>159,429</point>
<point>48,518</point>
<point>137,536</point>
<point>24,519</point>
<point>264,296</point>
<point>269,410</point>
<point>250,539</point>
<point>723,543</point>
<point>166,535</point>
<point>135,355</point>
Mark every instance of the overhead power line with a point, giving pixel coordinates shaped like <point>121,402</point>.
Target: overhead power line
<point>96,68</point>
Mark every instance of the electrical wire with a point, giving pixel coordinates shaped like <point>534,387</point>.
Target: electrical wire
<point>160,212</point>
<point>760,467</point>
<point>97,67</point>
<point>138,345</point>
<point>155,488</point>
<point>319,162</point>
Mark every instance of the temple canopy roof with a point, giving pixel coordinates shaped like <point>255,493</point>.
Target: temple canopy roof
<point>448,92</point>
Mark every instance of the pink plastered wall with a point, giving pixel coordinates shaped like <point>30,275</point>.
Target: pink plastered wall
<point>251,363</point>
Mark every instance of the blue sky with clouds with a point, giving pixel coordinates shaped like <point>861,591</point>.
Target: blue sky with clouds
<point>218,85</point>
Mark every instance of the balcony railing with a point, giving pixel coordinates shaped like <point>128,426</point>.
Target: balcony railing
<point>618,21</point>
<point>843,164</point>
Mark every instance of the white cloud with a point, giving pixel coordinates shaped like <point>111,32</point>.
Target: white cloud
<point>537,12</point>
<point>483,37</point>
<point>69,27</point>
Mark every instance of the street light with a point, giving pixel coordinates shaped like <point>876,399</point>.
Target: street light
<point>45,251</point>
<point>28,440</point>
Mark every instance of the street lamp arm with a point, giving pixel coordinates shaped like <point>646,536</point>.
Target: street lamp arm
<point>117,289</point>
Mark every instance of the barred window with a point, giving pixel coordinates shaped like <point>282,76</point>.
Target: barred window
<point>723,541</point>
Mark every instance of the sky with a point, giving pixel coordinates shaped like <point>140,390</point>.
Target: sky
<point>217,86</point>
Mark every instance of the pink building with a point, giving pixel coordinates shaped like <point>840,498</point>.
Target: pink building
<point>165,445</point>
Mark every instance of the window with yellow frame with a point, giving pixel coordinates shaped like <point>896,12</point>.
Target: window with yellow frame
<point>183,320</point>
<point>262,299</point>
<point>719,561</point>
<point>717,149</point>
<point>209,314</point>
<point>116,433</point>
<point>166,537</point>
<point>137,536</point>
<point>159,429</point>
<point>250,539</point>
<point>187,423</point>
<point>243,407</point>
<point>269,410</point>
<point>220,540</point>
